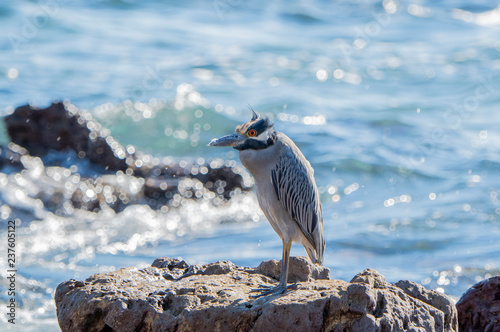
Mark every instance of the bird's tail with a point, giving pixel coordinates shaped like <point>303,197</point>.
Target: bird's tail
<point>316,255</point>
<point>316,248</point>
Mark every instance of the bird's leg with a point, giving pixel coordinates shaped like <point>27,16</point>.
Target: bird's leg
<point>282,286</point>
<point>287,246</point>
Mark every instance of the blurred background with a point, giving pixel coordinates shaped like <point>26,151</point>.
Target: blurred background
<point>394,103</point>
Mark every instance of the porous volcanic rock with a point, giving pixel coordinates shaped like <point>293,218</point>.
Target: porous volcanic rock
<point>172,295</point>
<point>479,308</point>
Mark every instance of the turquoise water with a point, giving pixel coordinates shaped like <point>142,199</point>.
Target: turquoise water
<point>394,103</point>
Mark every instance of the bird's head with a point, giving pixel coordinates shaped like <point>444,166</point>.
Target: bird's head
<point>256,134</point>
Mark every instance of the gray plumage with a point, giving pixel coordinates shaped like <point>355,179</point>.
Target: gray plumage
<point>287,194</point>
<point>285,187</point>
<point>294,185</point>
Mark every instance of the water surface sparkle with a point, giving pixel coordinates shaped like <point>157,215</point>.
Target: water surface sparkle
<point>394,103</point>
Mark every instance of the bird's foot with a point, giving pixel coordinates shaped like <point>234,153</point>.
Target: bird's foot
<point>269,290</point>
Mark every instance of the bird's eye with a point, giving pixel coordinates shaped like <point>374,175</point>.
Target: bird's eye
<point>252,132</point>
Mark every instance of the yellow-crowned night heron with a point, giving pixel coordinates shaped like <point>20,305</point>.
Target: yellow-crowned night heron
<point>286,189</point>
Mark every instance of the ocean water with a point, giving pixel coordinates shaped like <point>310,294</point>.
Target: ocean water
<point>394,103</point>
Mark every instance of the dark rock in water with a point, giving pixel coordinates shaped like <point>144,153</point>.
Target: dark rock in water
<point>126,178</point>
<point>221,179</point>
<point>479,308</point>
<point>58,127</point>
<point>11,155</point>
<point>172,295</point>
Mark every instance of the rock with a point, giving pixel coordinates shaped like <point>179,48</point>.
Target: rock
<point>129,178</point>
<point>62,127</point>
<point>172,295</point>
<point>430,297</point>
<point>300,269</point>
<point>479,308</point>
<point>163,181</point>
<point>64,189</point>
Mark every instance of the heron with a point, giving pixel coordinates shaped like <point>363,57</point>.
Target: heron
<point>285,188</point>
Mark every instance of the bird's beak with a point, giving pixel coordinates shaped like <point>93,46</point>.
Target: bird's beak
<point>229,140</point>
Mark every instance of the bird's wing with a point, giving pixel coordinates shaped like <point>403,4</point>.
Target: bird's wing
<point>296,190</point>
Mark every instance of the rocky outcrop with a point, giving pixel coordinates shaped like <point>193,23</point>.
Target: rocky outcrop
<point>172,295</point>
<point>58,127</point>
<point>479,308</point>
<point>430,297</point>
<point>128,177</point>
